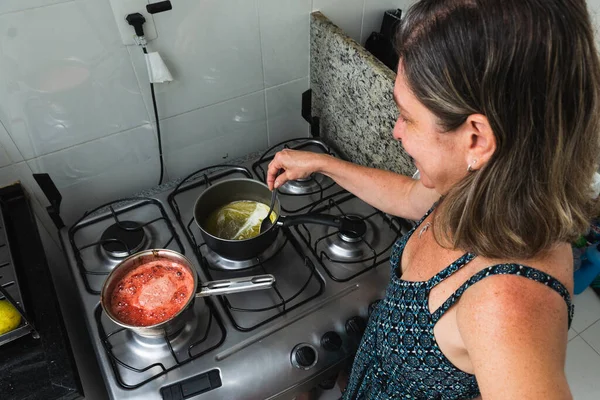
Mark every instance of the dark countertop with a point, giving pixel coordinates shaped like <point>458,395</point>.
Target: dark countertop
<point>34,368</point>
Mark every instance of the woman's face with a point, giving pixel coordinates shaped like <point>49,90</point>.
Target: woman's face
<point>438,155</point>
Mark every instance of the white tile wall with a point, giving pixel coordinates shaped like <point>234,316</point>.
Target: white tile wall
<point>215,134</point>
<point>284,103</point>
<point>9,146</point>
<point>347,14</point>
<point>62,87</point>
<point>7,6</point>
<point>594,9</point>
<point>211,47</point>
<point>284,32</point>
<point>4,158</point>
<point>90,174</point>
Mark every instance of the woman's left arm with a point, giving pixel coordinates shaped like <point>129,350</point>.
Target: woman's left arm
<point>515,331</point>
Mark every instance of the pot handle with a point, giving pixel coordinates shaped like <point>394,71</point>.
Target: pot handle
<point>341,222</point>
<point>236,285</point>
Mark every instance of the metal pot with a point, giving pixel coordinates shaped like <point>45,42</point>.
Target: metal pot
<point>177,321</point>
<point>225,192</point>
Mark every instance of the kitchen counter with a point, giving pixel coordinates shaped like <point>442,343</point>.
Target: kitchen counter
<point>34,368</point>
<point>352,97</point>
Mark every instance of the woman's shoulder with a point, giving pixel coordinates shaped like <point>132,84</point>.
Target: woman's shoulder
<point>557,263</point>
<point>510,295</point>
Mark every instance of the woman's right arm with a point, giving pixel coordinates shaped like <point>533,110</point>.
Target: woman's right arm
<point>387,191</point>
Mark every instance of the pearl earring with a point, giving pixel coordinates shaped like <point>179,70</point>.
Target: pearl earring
<point>470,167</point>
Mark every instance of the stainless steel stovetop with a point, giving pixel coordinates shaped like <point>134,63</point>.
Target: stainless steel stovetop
<point>254,345</point>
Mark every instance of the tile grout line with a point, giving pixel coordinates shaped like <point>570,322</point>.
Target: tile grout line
<point>288,82</point>
<point>586,342</point>
<point>362,22</point>
<point>38,7</point>
<point>267,119</point>
<point>149,112</point>
<point>262,68</point>
<point>13,142</point>
<point>260,42</point>
<point>150,123</point>
<point>590,325</point>
<point>88,141</point>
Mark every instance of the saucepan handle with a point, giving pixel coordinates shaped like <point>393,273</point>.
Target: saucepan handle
<point>340,222</point>
<point>236,285</point>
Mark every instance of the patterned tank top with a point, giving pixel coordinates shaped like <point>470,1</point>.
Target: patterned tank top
<point>399,358</point>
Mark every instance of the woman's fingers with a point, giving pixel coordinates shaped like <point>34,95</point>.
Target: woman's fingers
<point>291,163</point>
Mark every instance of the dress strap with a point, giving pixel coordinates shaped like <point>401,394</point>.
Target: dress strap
<point>507,269</point>
<point>451,269</point>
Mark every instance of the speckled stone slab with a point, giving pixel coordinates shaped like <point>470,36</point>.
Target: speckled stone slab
<point>352,96</point>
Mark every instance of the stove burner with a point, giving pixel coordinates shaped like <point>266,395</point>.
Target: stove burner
<point>348,245</point>
<point>359,230</point>
<point>123,236</point>
<point>195,319</point>
<point>307,185</point>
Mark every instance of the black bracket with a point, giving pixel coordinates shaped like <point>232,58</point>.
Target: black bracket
<point>159,7</point>
<point>307,113</point>
<point>53,196</point>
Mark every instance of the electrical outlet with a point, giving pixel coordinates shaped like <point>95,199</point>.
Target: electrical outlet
<point>121,8</point>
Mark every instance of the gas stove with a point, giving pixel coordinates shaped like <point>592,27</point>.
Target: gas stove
<point>270,344</point>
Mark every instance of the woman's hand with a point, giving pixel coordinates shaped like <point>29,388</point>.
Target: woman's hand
<point>294,164</point>
<point>385,190</point>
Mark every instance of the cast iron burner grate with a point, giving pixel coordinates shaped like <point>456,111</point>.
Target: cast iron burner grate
<point>247,311</point>
<point>135,365</point>
<point>293,287</point>
<point>313,186</point>
<point>100,240</point>
<point>123,238</point>
<point>346,255</point>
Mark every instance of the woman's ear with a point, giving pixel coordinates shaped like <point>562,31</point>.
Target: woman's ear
<point>480,141</point>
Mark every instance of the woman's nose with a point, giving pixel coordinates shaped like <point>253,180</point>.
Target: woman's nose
<point>398,129</point>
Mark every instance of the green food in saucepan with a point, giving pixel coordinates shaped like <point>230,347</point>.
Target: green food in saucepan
<point>238,220</point>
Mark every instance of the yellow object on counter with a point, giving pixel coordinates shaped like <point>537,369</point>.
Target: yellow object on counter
<point>9,317</point>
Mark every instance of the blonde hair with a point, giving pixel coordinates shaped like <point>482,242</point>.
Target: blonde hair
<point>531,67</point>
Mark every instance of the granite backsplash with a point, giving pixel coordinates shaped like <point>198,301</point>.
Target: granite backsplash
<point>352,96</point>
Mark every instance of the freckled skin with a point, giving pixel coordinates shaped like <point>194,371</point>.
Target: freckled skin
<point>151,293</point>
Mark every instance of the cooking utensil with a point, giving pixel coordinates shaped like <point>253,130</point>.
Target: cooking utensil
<point>227,191</point>
<point>266,223</point>
<point>178,320</point>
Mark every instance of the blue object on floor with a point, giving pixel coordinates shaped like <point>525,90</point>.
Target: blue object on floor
<point>589,270</point>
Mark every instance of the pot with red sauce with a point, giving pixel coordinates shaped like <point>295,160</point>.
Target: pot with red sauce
<point>151,291</point>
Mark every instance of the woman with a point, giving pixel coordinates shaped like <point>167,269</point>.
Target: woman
<point>498,106</point>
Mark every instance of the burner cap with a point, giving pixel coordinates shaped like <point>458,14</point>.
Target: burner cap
<point>123,236</point>
<point>355,231</point>
<point>310,184</point>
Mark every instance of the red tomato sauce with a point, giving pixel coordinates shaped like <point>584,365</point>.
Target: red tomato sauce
<point>151,293</point>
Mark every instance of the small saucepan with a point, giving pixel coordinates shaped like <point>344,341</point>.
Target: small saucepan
<point>180,310</point>
<point>231,190</point>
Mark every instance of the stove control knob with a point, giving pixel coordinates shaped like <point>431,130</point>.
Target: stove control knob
<point>304,356</point>
<point>355,327</point>
<point>331,341</point>
<point>373,305</point>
